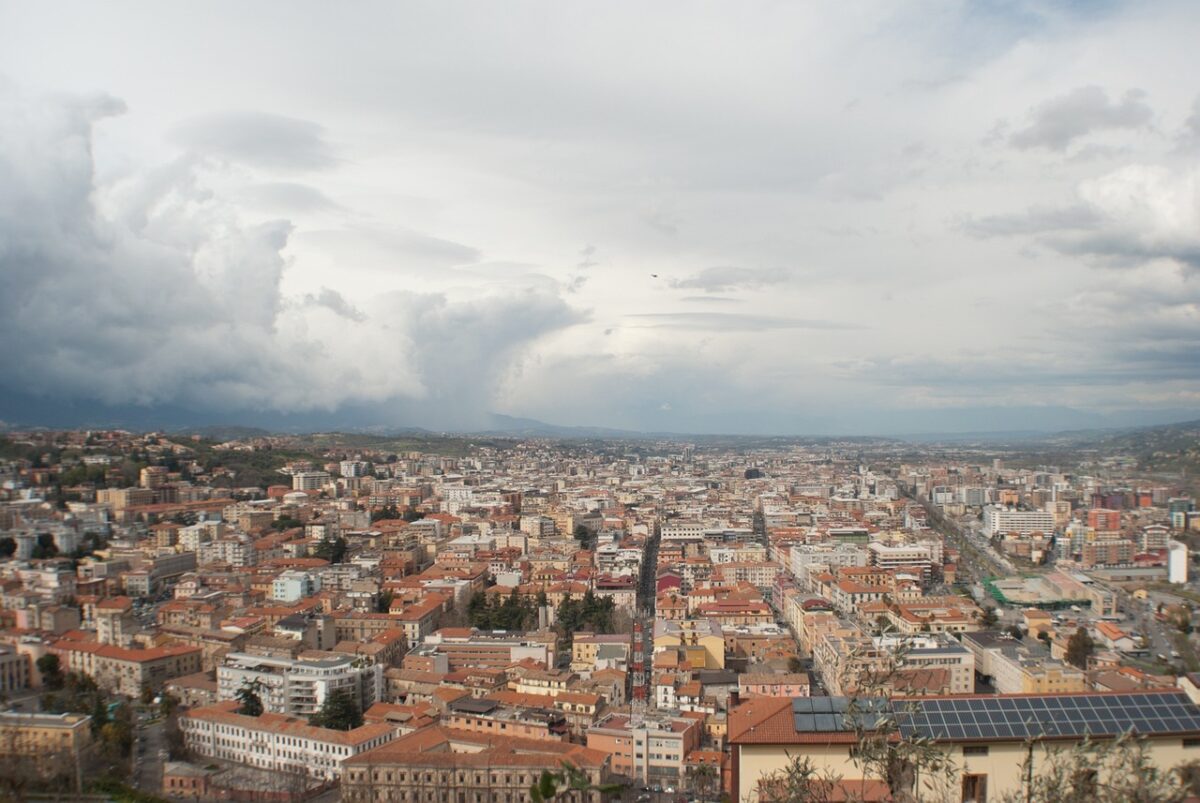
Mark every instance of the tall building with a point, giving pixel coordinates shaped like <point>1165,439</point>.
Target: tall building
<point>998,520</point>
<point>298,687</point>
<point>1177,562</point>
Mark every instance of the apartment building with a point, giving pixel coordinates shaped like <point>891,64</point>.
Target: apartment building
<point>275,742</point>
<point>128,671</point>
<point>591,651</point>
<point>299,687</point>
<point>997,520</point>
<point>486,715</point>
<point>1019,668</point>
<point>467,647</point>
<point>46,747</point>
<point>702,639</point>
<point>15,670</point>
<point>293,585</point>
<point>782,685</point>
<point>650,749</point>
<point>448,765</point>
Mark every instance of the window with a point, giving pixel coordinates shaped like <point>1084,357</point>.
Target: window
<point>1085,783</point>
<point>974,788</point>
<point>975,750</point>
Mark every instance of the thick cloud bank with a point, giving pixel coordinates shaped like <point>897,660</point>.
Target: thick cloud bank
<point>152,290</point>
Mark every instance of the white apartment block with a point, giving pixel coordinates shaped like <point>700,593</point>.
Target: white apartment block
<point>901,556</point>
<point>235,550</point>
<point>277,743</point>
<point>293,585</point>
<point>310,480</point>
<point>804,555</point>
<point>297,687</point>
<point>1006,520</point>
<point>936,652</point>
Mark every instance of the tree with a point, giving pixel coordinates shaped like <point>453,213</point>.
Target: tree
<point>286,523</point>
<point>339,712</point>
<point>331,549</point>
<point>569,780</point>
<point>383,603</point>
<point>583,535</point>
<point>385,513</point>
<point>1080,648</point>
<point>1120,770</point>
<point>913,768</point>
<point>250,704</point>
<point>45,547</point>
<point>798,782</point>
<point>795,665</point>
<point>51,670</point>
<point>990,618</point>
<point>702,777</point>
<point>8,547</point>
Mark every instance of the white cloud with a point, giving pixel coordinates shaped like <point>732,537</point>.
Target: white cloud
<point>564,227</point>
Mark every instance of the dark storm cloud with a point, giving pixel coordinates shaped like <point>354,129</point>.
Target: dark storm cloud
<point>258,139</point>
<point>153,293</point>
<point>1058,122</point>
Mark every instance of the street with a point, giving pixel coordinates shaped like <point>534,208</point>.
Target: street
<point>149,754</point>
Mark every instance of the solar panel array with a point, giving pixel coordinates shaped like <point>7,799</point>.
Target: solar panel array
<point>835,714</point>
<point>985,718</point>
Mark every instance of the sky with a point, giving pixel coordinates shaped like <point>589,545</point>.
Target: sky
<point>751,217</point>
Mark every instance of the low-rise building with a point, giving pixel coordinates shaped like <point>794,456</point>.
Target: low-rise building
<point>647,749</point>
<point>276,742</point>
<point>442,764</point>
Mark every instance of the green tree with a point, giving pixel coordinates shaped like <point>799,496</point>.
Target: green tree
<point>383,603</point>
<point>1080,648</point>
<point>570,781</point>
<point>331,549</point>
<point>703,777</point>
<point>1120,770</point>
<point>989,619</point>
<point>51,670</point>
<point>798,782</point>
<point>340,711</point>
<point>45,547</point>
<point>386,513</point>
<point>250,704</point>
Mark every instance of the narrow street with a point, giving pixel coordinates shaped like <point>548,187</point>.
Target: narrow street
<point>149,754</point>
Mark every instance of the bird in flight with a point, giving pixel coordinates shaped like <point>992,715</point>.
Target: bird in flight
<point>654,275</point>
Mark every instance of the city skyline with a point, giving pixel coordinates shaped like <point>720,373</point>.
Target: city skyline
<point>882,220</point>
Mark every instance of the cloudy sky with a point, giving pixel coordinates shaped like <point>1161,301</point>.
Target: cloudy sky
<point>869,217</point>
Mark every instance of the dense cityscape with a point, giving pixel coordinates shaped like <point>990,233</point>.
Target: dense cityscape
<point>600,402</point>
<point>351,617</point>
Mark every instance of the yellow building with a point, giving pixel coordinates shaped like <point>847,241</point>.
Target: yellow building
<point>49,748</point>
<point>988,740</point>
<point>703,640</point>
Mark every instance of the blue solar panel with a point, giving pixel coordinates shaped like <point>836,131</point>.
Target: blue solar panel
<point>1061,715</point>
